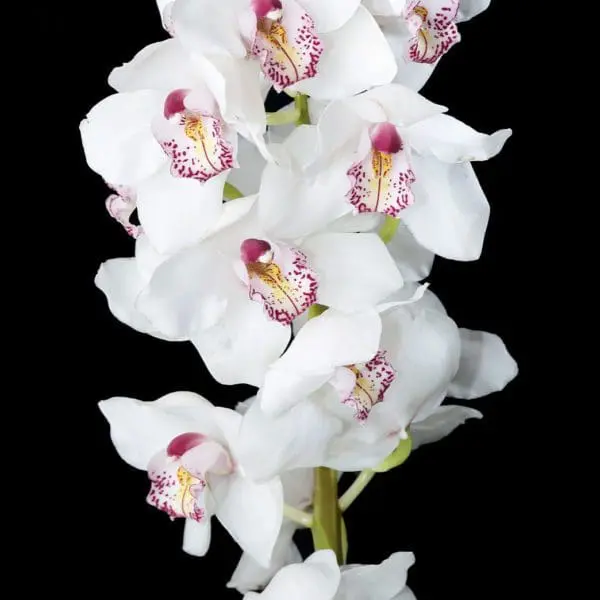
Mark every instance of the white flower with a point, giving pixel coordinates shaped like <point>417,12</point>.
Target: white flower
<point>236,293</point>
<point>347,389</point>
<point>298,493</point>
<point>320,578</point>
<point>420,32</point>
<point>182,440</point>
<point>325,49</point>
<point>405,159</point>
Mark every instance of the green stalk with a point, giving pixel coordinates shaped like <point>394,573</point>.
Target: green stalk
<point>301,103</point>
<point>327,518</point>
<point>230,192</point>
<point>388,229</point>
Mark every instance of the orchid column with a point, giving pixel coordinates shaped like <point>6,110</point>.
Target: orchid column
<point>291,250</point>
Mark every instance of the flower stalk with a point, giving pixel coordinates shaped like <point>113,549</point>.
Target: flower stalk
<point>297,516</point>
<point>354,491</point>
<point>301,104</point>
<point>230,192</point>
<point>327,517</point>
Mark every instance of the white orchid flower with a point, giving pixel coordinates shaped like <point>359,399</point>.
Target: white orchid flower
<point>320,578</point>
<point>325,49</point>
<point>349,387</point>
<point>403,158</point>
<point>297,493</point>
<point>420,32</point>
<point>235,294</point>
<point>183,441</point>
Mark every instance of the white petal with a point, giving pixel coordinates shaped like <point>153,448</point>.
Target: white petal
<point>298,487</point>
<point>298,438</point>
<point>357,57</point>
<point>208,27</point>
<point>405,594</point>
<point>452,141</point>
<point>329,15</point>
<point>331,340</point>
<point>249,575</point>
<point>411,74</point>
<point>251,512</point>
<point>440,424</point>
<point>471,8</point>
<point>141,429</point>
<point>317,578</point>
<point>177,212</point>
<point>376,582</point>
<point>196,537</point>
<point>413,260</point>
<point>425,351</point>
<point>121,282</point>
<point>485,365</point>
<point>360,223</point>
<point>450,213</point>
<point>247,177</point>
<point>403,106</point>
<point>118,140</point>
<point>355,270</point>
<point>160,66</point>
<point>241,346</point>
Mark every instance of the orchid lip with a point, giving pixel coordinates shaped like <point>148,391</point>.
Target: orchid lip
<point>385,138</point>
<point>174,104</point>
<point>179,445</point>
<point>253,251</point>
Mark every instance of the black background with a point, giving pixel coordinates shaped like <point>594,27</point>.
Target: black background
<point>464,505</point>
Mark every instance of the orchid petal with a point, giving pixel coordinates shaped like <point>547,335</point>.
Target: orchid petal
<point>355,270</point>
<point>196,537</point>
<point>413,260</point>
<point>358,58</point>
<point>485,365</point>
<point>440,423</point>
<point>450,213</point>
<point>330,15</point>
<point>471,8</point>
<point>450,140</point>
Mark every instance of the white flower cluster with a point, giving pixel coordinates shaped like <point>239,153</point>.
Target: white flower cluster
<point>290,249</point>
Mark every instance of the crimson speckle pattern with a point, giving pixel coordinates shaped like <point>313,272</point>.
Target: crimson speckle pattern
<point>121,206</point>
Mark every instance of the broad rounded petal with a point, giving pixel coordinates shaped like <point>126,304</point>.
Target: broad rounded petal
<point>208,27</point>
<point>425,351</point>
<point>413,75</point>
<point>177,212</point>
<point>440,424</point>
<point>160,66</point>
<point>249,575</point>
<point>376,582</point>
<point>413,260</point>
<point>298,438</point>
<point>317,578</point>
<point>241,346</point>
<point>117,137</point>
<point>251,512</point>
<point>331,340</point>
<point>355,270</point>
<point>359,223</point>
<point>290,204</point>
<point>357,58</point>
<point>121,282</point>
<point>471,8</point>
<point>196,537</point>
<point>450,213</point>
<point>141,429</point>
<point>330,15</point>
<point>450,140</point>
<point>246,178</point>
<point>485,365</point>
<point>189,291</point>
<point>403,106</point>
<point>411,290</point>
<point>405,594</point>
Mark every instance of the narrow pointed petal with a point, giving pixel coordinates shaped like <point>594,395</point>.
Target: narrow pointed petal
<point>440,424</point>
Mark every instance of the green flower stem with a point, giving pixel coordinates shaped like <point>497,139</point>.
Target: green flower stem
<point>298,516</point>
<point>327,518</point>
<point>283,117</point>
<point>230,192</point>
<point>388,229</point>
<point>315,310</point>
<point>355,490</point>
<point>301,103</point>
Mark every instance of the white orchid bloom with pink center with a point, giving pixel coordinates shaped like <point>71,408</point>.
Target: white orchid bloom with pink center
<point>325,49</point>
<point>420,32</point>
<point>235,294</point>
<point>405,159</point>
<point>320,578</point>
<point>298,493</point>
<point>183,441</point>
<point>350,386</point>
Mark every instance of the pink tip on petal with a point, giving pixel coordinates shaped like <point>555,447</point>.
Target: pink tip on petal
<point>252,250</point>
<point>263,7</point>
<point>174,103</point>
<point>179,445</point>
<point>385,138</point>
